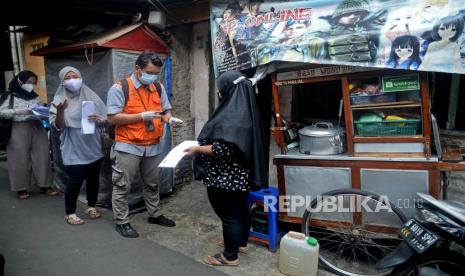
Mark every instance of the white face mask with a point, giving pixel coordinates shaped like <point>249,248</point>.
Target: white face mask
<point>28,87</point>
<point>73,84</point>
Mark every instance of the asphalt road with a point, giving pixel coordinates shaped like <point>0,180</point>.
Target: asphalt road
<point>36,241</point>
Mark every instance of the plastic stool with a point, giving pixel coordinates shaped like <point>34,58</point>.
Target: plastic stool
<point>272,237</point>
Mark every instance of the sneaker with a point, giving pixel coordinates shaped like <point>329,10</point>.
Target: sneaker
<point>126,230</point>
<point>161,220</point>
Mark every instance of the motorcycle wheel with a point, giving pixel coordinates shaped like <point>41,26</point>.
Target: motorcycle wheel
<point>351,243</point>
<point>449,262</point>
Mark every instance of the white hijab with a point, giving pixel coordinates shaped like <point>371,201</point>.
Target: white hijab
<point>73,111</point>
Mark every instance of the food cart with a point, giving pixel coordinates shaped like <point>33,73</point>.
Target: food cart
<point>387,141</point>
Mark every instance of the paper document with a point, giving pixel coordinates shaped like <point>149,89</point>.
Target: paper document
<point>88,108</point>
<point>176,154</point>
<point>40,112</point>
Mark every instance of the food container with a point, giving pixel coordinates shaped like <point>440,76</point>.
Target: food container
<point>360,99</point>
<point>322,139</point>
<point>388,128</point>
<point>373,98</point>
<point>389,97</point>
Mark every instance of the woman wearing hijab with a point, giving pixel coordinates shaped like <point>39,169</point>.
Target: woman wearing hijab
<point>27,147</point>
<point>82,154</point>
<point>231,160</point>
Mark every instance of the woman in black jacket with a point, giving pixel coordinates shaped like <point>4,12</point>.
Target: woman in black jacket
<point>231,160</point>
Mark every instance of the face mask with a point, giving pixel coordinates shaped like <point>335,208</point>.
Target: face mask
<point>73,84</point>
<point>147,78</point>
<point>28,87</point>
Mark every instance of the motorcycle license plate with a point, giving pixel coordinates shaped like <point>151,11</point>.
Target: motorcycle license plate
<point>417,236</point>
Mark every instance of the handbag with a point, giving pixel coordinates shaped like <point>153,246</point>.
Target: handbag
<point>6,124</point>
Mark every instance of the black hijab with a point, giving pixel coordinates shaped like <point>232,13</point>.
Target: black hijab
<point>237,120</point>
<point>15,86</point>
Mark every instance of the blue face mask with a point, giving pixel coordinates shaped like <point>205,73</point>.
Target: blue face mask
<point>148,78</point>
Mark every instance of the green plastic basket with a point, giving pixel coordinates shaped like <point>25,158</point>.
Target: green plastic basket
<point>388,128</point>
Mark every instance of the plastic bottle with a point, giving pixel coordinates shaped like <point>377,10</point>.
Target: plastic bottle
<point>298,255</point>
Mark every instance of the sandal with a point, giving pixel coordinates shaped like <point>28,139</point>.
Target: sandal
<point>220,260</point>
<point>93,213</point>
<point>242,249</point>
<point>49,191</point>
<point>23,195</point>
<point>74,220</point>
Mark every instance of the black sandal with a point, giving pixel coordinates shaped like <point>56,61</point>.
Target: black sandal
<point>23,195</point>
<point>219,260</point>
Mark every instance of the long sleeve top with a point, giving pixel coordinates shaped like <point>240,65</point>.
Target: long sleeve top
<point>226,168</point>
<point>19,112</point>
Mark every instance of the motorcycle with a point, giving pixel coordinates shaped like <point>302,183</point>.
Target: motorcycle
<point>431,241</point>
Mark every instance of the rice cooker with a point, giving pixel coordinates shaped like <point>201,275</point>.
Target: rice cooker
<point>322,139</point>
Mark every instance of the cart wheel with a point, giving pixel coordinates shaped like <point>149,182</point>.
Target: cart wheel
<point>355,229</point>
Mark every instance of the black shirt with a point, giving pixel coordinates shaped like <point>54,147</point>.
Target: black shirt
<point>225,168</point>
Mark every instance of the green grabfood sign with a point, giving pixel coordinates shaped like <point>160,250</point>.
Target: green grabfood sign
<point>401,83</point>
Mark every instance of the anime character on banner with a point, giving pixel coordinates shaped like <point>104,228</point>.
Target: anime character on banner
<point>414,18</point>
<point>398,23</point>
<point>354,33</point>
<point>443,54</point>
<point>428,12</point>
<point>405,53</point>
<point>224,48</point>
<point>295,41</point>
<point>247,32</point>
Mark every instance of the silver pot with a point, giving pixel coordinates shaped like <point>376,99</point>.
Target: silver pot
<point>322,139</point>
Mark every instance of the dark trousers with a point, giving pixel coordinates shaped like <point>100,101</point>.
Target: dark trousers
<point>77,174</point>
<point>231,208</point>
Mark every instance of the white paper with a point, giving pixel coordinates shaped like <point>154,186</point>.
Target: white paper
<point>88,108</point>
<point>176,154</point>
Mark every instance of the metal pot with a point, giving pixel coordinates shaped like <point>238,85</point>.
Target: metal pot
<point>322,139</point>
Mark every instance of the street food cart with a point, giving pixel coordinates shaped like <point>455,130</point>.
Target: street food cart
<point>386,136</point>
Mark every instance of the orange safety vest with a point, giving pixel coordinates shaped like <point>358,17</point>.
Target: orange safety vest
<point>138,101</point>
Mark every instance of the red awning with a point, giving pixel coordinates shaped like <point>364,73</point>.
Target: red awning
<point>137,37</point>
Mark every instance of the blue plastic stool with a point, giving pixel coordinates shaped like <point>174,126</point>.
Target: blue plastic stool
<point>272,238</point>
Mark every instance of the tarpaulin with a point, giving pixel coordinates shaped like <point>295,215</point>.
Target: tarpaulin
<point>424,35</point>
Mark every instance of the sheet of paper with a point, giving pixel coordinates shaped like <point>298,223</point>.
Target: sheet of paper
<point>176,154</point>
<point>88,108</point>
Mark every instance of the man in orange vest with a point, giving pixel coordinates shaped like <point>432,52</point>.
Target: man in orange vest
<point>138,109</point>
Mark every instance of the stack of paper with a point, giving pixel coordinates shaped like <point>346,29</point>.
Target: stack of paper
<point>88,108</point>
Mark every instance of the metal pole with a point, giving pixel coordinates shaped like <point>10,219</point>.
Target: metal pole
<point>20,48</point>
<point>14,53</point>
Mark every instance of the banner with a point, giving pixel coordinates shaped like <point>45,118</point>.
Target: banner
<point>425,35</point>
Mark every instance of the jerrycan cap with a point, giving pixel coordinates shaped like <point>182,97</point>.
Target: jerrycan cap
<point>312,241</point>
